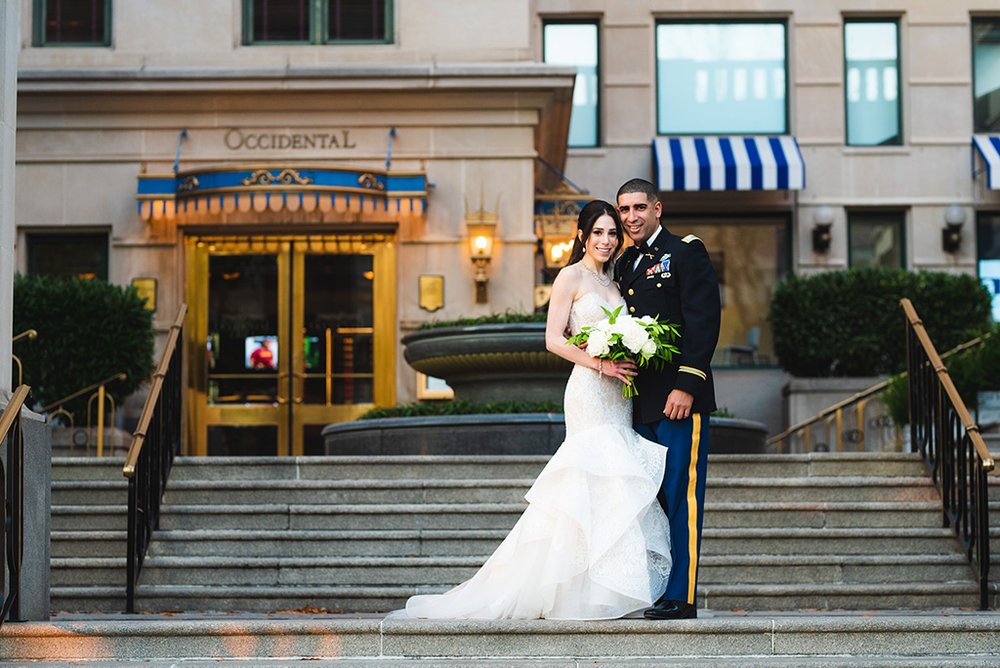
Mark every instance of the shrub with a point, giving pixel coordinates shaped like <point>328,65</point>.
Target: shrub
<point>973,371</point>
<point>849,323</point>
<point>460,407</point>
<point>87,331</point>
<point>510,317</point>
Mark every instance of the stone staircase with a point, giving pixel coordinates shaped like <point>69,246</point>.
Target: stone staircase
<point>89,514</point>
<point>790,532</point>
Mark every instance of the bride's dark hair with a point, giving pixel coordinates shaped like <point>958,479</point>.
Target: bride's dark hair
<point>589,214</point>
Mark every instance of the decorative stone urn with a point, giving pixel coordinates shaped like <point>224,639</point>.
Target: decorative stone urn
<point>486,363</point>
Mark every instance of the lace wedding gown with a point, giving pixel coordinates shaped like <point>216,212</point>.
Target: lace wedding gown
<point>593,542</point>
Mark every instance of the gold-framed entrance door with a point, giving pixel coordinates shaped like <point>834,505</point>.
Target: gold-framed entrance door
<point>290,333</point>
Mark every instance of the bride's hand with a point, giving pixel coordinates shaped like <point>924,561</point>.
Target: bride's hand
<point>623,370</point>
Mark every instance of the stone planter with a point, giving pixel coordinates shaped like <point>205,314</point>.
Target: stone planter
<point>503,434</point>
<point>487,363</point>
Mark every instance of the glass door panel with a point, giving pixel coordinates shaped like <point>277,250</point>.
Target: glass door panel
<point>335,375</point>
<point>242,343</point>
<point>288,334</point>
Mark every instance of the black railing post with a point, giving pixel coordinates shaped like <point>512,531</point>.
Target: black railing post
<point>942,430</point>
<point>147,466</point>
<point>12,500</point>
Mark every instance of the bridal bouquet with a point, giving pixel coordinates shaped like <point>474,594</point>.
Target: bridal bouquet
<point>645,340</point>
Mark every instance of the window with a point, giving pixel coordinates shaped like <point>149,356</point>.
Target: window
<point>317,21</point>
<point>871,89</point>
<point>751,255</point>
<point>986,74</point>
<point>875,240</point>
<point>81,255</point>
<point>72,23</point>
<point>988,243</point>
<point>576,44</point>
<point>721,78</point>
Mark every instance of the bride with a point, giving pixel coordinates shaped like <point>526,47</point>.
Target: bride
<point>593,541</point>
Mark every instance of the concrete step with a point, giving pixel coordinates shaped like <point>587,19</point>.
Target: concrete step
<point>950,638</point>
<point>391,516</point>
<point>392,491</point>
<point>821,488</point>
<point>420,571</point>
<point>474,466</point>
<point>90,517</point>
<point>87,468</point>
<point>101,599</point>
<point>435,542</point>
<point>933,661</point>
<point>89,492</point>
<point>88,543</point>
<point>88,571</point>
<point>334,598</point>
<point>512,491</point>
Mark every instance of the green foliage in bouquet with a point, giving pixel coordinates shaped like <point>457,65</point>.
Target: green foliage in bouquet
<point>849,323</point>
<point>973,371</point>
<point>87,331</point>
<point>645,341</point>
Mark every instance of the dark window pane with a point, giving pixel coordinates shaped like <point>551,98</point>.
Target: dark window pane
<point>986,75</point>
<point>75,21</point>
<point>281,20</point>
<point>81,255</point>
<point>576,44</point>
<point>872,85</point>
<point>876,240</point>
<point>356,19</point>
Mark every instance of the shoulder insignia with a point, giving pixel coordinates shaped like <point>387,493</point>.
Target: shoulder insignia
<point>689,238</point>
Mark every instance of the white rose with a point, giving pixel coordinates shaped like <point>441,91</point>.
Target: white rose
<point>597,343</point>
<point>647,320</point>
<point>634,338</point>
<point>648,349</point>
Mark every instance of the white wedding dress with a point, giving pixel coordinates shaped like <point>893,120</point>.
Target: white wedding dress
<point>593,542</point>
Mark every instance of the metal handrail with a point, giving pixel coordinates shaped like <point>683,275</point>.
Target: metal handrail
<point>31,335</point>
<point>12,491</point>
<point>943,431</point>
<point>836,410</point>
<point>121,375</point>
<point>155,443</point>
<point>142,427</point>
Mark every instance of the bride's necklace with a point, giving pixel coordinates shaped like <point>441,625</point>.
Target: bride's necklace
<point>602,279</point>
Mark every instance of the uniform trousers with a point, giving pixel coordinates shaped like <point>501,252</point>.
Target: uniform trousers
<point>682,496</point>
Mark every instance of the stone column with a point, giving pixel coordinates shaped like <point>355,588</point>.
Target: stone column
<point>9,45</point>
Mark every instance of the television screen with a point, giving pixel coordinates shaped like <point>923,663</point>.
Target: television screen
<point>261,352</point>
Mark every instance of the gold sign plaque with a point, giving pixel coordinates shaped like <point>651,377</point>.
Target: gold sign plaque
<point>431,292</point>
<point>542,294</point>
<point>146,287</point>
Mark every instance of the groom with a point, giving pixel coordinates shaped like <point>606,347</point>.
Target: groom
<point>671,277</point>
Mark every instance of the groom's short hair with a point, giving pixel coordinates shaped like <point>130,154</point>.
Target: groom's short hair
<point>639,186</point>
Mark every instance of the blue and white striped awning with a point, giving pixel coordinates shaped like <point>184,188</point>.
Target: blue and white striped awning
<point>728,163</point>
<point>989,148</point>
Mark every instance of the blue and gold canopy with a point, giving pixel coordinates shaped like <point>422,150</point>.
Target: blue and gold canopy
<point>220,190</point>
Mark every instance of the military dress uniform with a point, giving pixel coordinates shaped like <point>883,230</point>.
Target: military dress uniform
<point>674,280</point>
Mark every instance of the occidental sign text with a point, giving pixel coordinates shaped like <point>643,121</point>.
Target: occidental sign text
<point>237,139</point>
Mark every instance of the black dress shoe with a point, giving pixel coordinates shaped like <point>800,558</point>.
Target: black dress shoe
<point>671,610</point>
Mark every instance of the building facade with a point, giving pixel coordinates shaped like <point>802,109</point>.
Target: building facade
<point>307,175</point>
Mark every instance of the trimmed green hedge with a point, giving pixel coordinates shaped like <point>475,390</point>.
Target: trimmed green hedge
<point>87,331</point>
<point>849,323</point>
<point>973,371</point>
<point>510,317</point>
<point>460,408</point>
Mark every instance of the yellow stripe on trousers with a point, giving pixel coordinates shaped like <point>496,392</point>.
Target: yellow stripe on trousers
<point>692,503</point>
